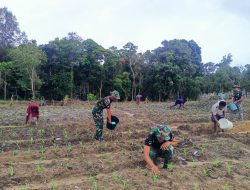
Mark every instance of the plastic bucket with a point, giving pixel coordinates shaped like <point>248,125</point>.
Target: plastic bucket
<point>114,122</point>
<point>232,107</point>
<point>225,124</point>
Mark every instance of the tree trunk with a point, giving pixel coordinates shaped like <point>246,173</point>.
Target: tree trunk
<point>33,83</point>
<point>72,81</point>
<point>5,87</point>
<point>133,83</point>
<point>100,90</point>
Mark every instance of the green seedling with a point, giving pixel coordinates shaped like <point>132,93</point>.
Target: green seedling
<point>205,172</point>
<point>229,169</point>
<point>92,180</point>
<point>196,186</point>
<point>227,187</point>
<point>69,147</point>
<point>30,132</point>
<point>248,166</point>
<point>11,171</point>
<point>31,140</point>
<point>180,175</point>
<point>216,163</point>
<point>125,183</point>
<point>39,166</point>
<point>24,187</point>
<point>155,178</point>
<point>116,176</point>
<point>55,147</point>
<point>14,134</point>
<point>42,150</point>
<point>18,146</point>
<point>185,152</point>
<point>65,133</point>
<point>170,166</point>
<point>14,152</point>
<point>54,185</point>
<point>41,132</point>
<point>194,164</point>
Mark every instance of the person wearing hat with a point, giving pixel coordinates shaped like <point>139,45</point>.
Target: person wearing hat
<point>159,143</point>
<point>97,112</point>
<point>237,99</point>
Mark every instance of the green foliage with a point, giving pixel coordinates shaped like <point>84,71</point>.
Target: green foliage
<point>91,97</point>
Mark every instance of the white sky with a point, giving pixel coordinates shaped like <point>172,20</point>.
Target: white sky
<point>219,27</point>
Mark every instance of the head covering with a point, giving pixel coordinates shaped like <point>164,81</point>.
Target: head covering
<point>158,129</point>
<point>236,86</point>
<point>116,94</point>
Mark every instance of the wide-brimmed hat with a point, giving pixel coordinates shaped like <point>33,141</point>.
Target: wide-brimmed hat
<point>116,94</point>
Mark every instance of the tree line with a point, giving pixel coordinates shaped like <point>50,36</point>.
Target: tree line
<point>81,68</point>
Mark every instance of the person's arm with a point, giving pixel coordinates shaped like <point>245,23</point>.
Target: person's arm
<point>148,160</point>
<point>240,100</point>
<point>165,145</point>
<point>215,118</point>
<point>109,113</point>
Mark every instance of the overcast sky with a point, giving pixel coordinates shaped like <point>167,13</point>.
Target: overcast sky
<point>218,26</point>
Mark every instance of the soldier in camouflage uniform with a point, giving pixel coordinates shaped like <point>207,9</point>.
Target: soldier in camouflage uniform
<point>238,97</point>
<point>159,143</point>
<point>97,112</point>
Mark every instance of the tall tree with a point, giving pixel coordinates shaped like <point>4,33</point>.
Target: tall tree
<point>27,58</point>
<point>10,34</point>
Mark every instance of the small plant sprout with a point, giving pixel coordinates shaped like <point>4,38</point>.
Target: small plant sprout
<point>39,166</point>
<point>170,166</point>
<point>216,163</point>
<point>24,187</point>
<point>42,150</point>
<point>196,186</point>
<point>125,183</point>
<point>229,169</point>
<point>31,140</point>
<point>41,132</point>
<point>185,152</point>
<point>55,147</point>
<point>92,180</point>
<point>180,175</point>
<point>194,164</point>
<point>65,133</point>
<point>155,178</point>
<point>205,172</point>
<point>248,166</point>
<point>54,185</point>
<point>69,147</point>
<point>227,187</point>
<point>11,171</point>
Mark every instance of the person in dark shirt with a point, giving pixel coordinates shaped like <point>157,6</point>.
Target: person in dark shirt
<point>237,99</point>
<point>180,102</point>
<point>159,143</point>
<point>97,112</point>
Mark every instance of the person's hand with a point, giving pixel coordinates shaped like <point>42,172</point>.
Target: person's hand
<point>165,145</point>
<point>155,170</point>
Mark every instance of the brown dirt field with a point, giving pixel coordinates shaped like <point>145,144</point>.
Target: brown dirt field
<point>60,152</point>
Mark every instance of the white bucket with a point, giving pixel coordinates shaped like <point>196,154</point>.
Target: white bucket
<point>225,124</point>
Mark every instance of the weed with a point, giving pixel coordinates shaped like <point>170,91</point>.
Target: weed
<point>69,147</point>
<point>41,132</point>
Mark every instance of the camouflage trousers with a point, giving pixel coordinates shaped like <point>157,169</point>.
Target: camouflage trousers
<point>165,154</point>
<point>239,111</point>
<point>98,119</point>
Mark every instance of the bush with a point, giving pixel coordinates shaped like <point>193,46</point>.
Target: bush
<point>91,97</point>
